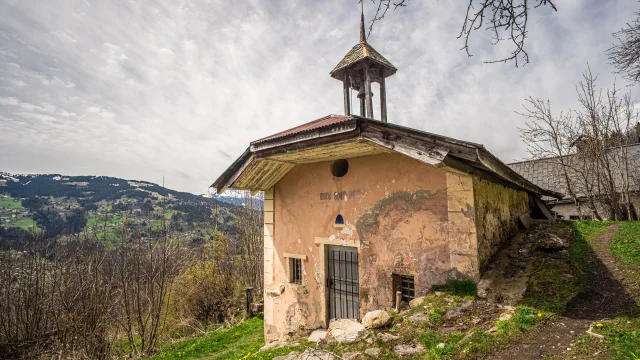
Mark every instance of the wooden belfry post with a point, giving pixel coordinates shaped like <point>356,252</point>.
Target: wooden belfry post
<point>362,66</point>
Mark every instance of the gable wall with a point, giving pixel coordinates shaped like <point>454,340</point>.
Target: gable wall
<point>397,212</point>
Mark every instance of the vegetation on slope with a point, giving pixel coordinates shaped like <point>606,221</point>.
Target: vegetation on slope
<point>621,335</point>
<point>238,342</point>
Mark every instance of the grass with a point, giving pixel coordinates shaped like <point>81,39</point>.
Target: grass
<point>458,287</point>
<point>621,334</point>
<point>26,224</point>
<point>626,244</point>
<point>238,342</point>
<point>6,202</point>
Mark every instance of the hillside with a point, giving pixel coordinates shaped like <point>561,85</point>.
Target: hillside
<point>60,205</point>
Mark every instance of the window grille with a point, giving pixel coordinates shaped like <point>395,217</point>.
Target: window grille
<point>405,284</point>
<point>296,270</point>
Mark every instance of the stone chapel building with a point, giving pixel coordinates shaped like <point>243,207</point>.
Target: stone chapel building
<point>356,209</point>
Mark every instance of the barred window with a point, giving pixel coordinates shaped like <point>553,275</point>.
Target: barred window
<point>404,284</point>
<point>295,270</point>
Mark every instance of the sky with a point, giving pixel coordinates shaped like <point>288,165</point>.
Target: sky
<point>177,88</point>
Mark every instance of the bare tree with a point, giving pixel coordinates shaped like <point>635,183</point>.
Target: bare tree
<point>625,53</point>
<point>589,147</point>
<point>145,270</point>
<point>251,241</point>
<point>507,20</point>
<point>549,138</point>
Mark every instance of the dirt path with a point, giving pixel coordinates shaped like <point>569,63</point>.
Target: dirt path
<point>607,299</point>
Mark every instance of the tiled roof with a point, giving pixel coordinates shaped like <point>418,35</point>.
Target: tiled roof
<point>547,173</point>
<point>316,124</point>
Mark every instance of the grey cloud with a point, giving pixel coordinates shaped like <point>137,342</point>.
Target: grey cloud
<point>146,89</point>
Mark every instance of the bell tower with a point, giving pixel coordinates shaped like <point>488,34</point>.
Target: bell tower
<point>358,69</point>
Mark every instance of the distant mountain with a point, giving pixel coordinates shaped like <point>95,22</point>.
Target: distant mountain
<point>65,205</point>
<point>236,197</point>
<point>90,188</point>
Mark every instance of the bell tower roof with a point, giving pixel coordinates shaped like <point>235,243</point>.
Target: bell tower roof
<point>362,51</point>
<point>362,66</point>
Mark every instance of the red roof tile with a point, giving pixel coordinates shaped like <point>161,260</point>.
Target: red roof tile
<point>315,124</point>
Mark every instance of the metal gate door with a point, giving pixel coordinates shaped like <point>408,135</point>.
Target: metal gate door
<point>342,282</point>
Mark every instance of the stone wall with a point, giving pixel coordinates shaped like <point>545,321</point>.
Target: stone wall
<point>496,211</point>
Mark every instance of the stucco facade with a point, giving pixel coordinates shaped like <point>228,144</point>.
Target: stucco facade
<point>403,217</point>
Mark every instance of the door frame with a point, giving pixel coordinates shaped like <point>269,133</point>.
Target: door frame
<point>323,247</point>
<point>341,293</point>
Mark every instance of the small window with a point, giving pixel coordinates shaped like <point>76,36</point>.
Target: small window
<point>339,220</point>
<point>406,286</point>
<point>295,271</point>
<point>340,167</point>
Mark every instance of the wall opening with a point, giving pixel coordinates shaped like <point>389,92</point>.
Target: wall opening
<point>340,167</point>
<point>406,285</point>
<point>295,271</point>
<point>339,220</point>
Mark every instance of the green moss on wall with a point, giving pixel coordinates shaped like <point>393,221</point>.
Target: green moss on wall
<point>497,211</point>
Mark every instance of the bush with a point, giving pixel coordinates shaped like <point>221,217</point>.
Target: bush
<point>458,287</point>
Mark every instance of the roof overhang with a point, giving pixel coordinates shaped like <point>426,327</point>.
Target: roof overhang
<point>268,160</point>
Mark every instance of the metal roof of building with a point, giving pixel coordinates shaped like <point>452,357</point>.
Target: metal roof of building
<point>313,125</point>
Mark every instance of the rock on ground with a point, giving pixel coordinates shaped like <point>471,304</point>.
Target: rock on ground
<point>372,352</point>
<point>291,356</point>
<point>313,354</point>
<point>352,355</point>
<point>550,241</point>
<point>345,331</point>
<point>506,315</point>
<point>416,302</point>
<point>375,319</point>
<point>418,318</point>
<point>317,335</point>
<point>406,350</point>
<point>386,337</point>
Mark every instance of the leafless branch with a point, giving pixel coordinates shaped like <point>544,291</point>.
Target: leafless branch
<point>625,54</point>
<point>506,19</point>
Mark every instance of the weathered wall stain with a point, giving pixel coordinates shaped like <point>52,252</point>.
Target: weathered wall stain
<point>400,201</point>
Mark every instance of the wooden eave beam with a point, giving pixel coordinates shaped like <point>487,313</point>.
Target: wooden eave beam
<point>409,147</point>
<point>391,133</point>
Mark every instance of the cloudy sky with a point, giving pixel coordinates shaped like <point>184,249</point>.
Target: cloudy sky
<point>178,88</point>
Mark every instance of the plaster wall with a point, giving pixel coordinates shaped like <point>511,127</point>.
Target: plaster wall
<point>397,212</point>
<point>497,210</point>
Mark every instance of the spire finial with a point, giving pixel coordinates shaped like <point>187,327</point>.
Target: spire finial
<point>363,37</point>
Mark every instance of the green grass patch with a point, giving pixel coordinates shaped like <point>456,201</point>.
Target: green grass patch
<point>238,342</point>
<point>6,202</point>
<point>626,243</point>
<point>27,224</point>
<point>621,339</point>
<point>458,288</point>
<point>591,229</point>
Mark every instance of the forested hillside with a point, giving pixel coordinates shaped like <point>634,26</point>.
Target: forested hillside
<point>60,205</point>
<point>96,267</point>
